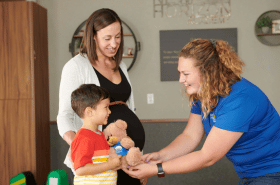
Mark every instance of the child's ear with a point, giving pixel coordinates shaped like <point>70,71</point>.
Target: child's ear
<point>89,111</point>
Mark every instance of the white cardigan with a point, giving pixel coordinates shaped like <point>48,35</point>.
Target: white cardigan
<point>78,71</point>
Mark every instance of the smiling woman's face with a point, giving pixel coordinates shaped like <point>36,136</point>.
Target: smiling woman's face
<point>189,75</point>
<point>108,40</point>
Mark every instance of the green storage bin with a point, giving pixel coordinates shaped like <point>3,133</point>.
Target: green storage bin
<point>57,177</point>
<point>24,178</point>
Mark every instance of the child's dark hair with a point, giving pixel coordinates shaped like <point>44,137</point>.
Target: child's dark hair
<point>87,95</point>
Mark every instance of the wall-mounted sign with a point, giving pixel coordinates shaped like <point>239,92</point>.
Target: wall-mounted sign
<point>172,41</point>
<point>195,11</point>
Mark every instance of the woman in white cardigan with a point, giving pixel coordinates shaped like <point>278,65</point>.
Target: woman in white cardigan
<point>99,62</point>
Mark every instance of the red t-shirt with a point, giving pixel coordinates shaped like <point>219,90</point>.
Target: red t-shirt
<point>89,147</point>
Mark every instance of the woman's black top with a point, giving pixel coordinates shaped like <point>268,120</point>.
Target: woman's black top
<point>121,92</point>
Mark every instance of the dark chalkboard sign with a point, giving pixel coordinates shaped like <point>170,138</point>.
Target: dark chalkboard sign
<point>172,41</point>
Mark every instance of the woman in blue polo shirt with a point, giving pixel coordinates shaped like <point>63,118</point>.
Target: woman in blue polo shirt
<point>237,117</point>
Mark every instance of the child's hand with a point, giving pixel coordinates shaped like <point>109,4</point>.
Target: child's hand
<point>115,162</point>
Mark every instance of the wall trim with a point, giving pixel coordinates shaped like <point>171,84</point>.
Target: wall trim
<point>164,120</point>
<point>151,121</point>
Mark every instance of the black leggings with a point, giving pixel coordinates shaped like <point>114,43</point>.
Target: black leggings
<point>124,179</point>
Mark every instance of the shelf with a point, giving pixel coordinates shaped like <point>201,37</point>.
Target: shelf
<point>268,34</point>
<point>130,56</point>
<point>269,39</point>
<point>81,36</point>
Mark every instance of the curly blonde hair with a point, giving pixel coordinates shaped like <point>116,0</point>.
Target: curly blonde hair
<point>219,67</point>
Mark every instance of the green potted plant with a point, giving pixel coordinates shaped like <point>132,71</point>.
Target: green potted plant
<point>78,42</point>
<point>264,23</point>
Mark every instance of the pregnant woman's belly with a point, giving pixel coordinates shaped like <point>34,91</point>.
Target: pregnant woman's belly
<point>135,128</point>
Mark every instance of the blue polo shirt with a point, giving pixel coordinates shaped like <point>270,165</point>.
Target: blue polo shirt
<point>247,109</point>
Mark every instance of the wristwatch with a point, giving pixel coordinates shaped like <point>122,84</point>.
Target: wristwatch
<point>160,170</point>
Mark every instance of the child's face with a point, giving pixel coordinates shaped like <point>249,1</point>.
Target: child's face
<point>102,112</point>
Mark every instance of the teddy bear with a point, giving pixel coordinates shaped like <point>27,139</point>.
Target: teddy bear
<point>121,144</point>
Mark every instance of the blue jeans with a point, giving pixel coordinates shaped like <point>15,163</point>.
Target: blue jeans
<point>268,179</point>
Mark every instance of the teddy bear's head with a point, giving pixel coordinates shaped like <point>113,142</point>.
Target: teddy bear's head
<point>115,132</point>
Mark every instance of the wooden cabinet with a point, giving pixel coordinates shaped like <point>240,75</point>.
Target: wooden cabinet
<point>24,91</point>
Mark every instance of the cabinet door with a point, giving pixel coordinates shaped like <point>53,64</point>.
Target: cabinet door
<point>16,138</point>
<point>15,66</point>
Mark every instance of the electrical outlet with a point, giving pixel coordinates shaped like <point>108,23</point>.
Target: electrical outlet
<point>150,98</point>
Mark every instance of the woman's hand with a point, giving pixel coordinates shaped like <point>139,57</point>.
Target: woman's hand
<point>152,158</point>
<point>142,171</point>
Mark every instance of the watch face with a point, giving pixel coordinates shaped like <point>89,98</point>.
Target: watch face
<point>162,174</point>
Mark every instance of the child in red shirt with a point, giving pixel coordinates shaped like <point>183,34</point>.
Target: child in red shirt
<point>90,150</point>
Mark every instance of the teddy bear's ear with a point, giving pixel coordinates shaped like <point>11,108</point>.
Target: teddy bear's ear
<point>121,124</point>
<point>106,132</point>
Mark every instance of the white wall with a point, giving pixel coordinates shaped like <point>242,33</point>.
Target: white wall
<point>262,62</point>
